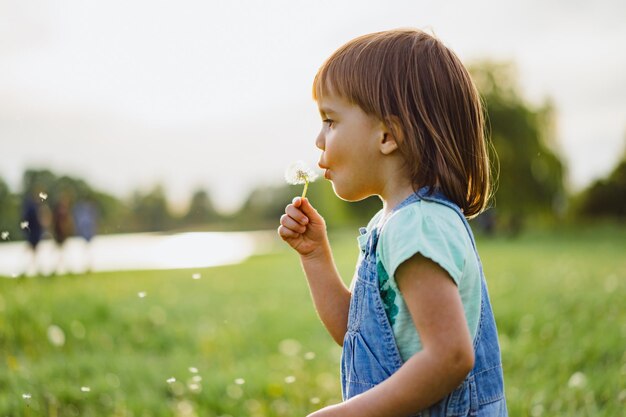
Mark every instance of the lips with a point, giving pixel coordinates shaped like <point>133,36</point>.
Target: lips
<point>326,171</point>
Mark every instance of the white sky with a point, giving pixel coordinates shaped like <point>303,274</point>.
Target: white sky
<point>216,94</point>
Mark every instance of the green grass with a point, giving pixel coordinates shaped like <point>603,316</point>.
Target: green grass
<point>559,300</point>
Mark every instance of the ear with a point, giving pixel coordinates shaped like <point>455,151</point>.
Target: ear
<point>389,140</point>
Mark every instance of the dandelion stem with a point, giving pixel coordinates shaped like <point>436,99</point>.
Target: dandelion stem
<point>306,185</point>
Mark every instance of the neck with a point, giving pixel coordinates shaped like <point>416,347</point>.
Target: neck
<point>394,195</point>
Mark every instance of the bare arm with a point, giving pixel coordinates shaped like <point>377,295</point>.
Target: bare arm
<point>445,360</point>
<point>304,229</point>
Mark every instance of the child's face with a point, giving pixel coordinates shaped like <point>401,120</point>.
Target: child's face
<point>349,141</point>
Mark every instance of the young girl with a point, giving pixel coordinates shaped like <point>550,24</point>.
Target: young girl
<point>402,120</point>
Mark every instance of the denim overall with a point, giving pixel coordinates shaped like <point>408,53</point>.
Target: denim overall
<point>370,354</point>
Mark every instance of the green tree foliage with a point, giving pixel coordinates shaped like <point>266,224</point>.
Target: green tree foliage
<point>9,213</point>
<point>530,174</point>
<point>150,211</point>
<point>201,210</point>
<point>606,198</point>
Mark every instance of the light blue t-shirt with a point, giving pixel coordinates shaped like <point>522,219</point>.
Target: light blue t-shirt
<point>438,233</point>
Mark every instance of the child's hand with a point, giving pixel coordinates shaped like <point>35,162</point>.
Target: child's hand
<point>303,228</point>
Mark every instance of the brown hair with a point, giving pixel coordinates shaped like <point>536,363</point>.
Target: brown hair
<point>420,89</point>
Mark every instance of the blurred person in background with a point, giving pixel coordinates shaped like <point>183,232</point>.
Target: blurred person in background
<point>32,224</point>
<point>62,227</point>
<point>85,224</point>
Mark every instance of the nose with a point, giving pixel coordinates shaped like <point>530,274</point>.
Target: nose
<point>320,141</point>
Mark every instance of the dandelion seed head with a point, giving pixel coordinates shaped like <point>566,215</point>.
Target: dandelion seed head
<point>85,389</point>
<point>43,196</point>
<point>193,369</point>
<point>577,380</point>
<point>309,356</point>
<point>56,335</point>
<point>240,381</point>
<point>315,400</point>
<point>299,173</point>
<point>170,380</point>
<point>196,276</point>
<point>23,225</point>
<point>26,396</point>
<point>4,235</point>
<point>196,378</point>
<point>141,294</point>
<point>290,379</point>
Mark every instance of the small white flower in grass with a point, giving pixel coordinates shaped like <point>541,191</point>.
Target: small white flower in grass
<point>24,225</point>
<point>309,356</point>
<point>26,396</point>
<point>240,381</point>
<point>4,235</point>
<point>193,369</point>
<point>315,400</point>
<point>196,276</point>
<point>142,294</point>
<point>196,378</point>
<point>56,335</point>
<point>85,389</point>
<point>577,380</point>
<point>43,196</point>
<point>170,380</point>
<point>300,173</point>
<point>290,379</point>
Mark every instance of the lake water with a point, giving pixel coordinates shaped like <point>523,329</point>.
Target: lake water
<point>134,252</point>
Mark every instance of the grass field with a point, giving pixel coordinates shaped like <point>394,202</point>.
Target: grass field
<point>244,340</point>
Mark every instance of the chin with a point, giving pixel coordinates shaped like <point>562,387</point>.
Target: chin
<point>349,195</point>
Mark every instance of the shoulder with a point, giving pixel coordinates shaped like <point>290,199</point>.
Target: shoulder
<point>434,230</point>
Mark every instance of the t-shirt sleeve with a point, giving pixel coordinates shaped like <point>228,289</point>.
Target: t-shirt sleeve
<point>437,236</point>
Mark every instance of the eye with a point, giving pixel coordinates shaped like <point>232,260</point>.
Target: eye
<point>329,122</point>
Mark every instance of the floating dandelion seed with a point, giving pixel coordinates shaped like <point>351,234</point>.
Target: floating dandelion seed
<point>196,276</point>
<point>141,294</point>
<point>193,369</point>
<point>85,389</point>
<point>300,173</point>
<point>240,381</point>
<point>23,225</point>
<point>290,379</point>
<point>171,380</point>
<point>26,396</point>
<point>43,196</point>
<point>4,235</point>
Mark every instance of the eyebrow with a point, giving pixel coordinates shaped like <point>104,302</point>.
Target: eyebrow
<point>327,110</point>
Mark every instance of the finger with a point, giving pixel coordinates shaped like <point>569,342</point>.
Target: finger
<point>296,214</point>
<point>286,233</point>
<point>308,209</point>
<point>292,224</point>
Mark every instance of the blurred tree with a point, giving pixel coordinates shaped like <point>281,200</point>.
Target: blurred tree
<point>201,210</point>
<point>606,198</point>
<point>150,211</point>
<point>9,214</point>
<point>530,174</point>
<point>114,216</point>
